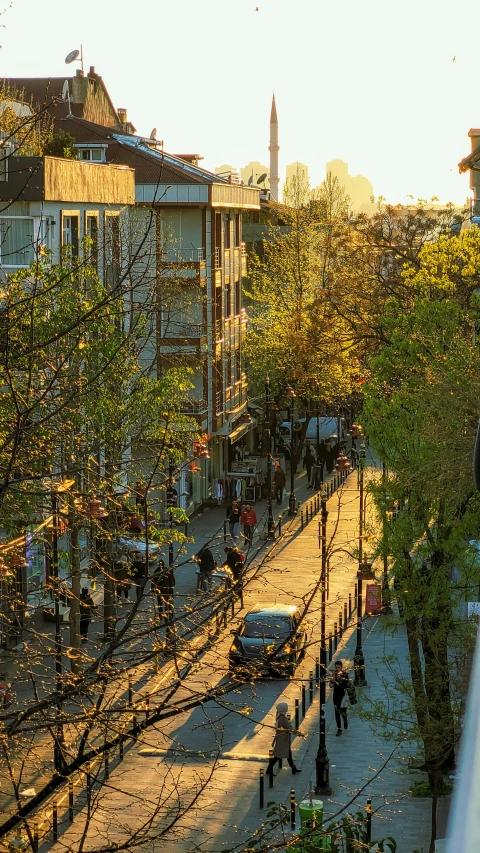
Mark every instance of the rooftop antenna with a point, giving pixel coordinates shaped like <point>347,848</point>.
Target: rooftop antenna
<point>66,97</point>
<point>75,56</point>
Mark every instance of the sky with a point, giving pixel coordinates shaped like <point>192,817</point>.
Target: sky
<point>388,87</point>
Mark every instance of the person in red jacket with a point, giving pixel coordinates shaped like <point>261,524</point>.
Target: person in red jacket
<point>249,521</point>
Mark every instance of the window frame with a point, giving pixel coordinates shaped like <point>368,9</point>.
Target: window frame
<point>75,238</point>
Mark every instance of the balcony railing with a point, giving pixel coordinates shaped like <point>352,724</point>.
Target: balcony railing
<point>179,256</point>
<point>184,330</point>
<point>219,402</point>
<point>192,406</point>
<point>217,258</point>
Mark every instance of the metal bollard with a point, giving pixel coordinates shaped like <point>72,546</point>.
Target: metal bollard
<point>301,518</point>
<point>224,531</point>
<point>330,648</point>
<point>304,703</point>
<point>292,811</point>
<point>306,514</point>
<point>297,714</point>
<point>70,800</point>
<point>311,510</point>
<point>130,691</point>
<point>340,625</point>
<point>147,707</point>
<point>369,820</point>
<point>317,673</point>
<point>107,768</point>
<point>345,615</point>
<point>279,525</point>
<point>349,605</point>
<point>120,744</point>
<point>335,636</point>
<point>270,768</point>
<point>35,837</point>
<point>355,604</point>
<point>55,820</point>
<point>310,686</point>
<point>262,788</point>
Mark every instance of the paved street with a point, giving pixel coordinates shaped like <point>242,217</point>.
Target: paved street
<point>207,760</point>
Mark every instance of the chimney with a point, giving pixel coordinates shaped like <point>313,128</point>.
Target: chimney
<point>122,115</point>
<point>92,72</point>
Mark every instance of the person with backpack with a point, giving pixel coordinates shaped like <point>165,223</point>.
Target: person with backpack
<point>86,609</point>
<point>207,566</point>
<point>343,693</point>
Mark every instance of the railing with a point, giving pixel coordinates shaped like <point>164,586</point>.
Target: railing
<point>177,256</point>
<point>217,258</point>
<point>219,330</point>
<point>184,330</point>
<point>219,402</point>
<point>192,406</point>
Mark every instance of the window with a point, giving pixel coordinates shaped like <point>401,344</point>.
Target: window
<point>238,229</point>
<point>70,232</point>
<point>91,231</point>
<point>112,250</point>
<point>227,233</point>
<point>17,241</point>
<point>96,155</point>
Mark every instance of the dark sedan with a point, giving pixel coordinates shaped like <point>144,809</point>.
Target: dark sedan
<point>268,642</point>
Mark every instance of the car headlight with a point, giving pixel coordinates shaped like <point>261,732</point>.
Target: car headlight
<point>234,650</point>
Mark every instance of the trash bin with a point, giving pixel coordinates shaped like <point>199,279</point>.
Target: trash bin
<point>311,826</point>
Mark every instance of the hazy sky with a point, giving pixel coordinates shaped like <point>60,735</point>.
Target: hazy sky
<point>373,82</point>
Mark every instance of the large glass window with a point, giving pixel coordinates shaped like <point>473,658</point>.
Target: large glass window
<point>17,241</point>
<point>70,232</point>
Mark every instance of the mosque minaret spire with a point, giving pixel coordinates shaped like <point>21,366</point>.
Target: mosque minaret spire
<point>274,148</point>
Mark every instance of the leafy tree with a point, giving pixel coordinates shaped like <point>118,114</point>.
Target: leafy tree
<point>61,144</point>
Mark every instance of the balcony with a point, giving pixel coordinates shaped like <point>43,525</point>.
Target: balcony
<point>193,406</point>
<point>191,331</point>
<point>189,264</point>
<point>217,258</point>
<point>219,402</point>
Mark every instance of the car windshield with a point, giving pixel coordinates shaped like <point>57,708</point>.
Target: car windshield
<point>268,627</point>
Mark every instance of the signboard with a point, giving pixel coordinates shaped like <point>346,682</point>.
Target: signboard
<point>373,597</point>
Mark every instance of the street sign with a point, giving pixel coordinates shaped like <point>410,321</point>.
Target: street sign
<point>373,598</point>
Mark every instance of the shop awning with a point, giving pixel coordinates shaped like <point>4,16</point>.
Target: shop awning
<point>241,430</point>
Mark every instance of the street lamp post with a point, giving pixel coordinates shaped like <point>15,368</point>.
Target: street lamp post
<point>322,763</point>
<point>359,659</point>
<point>387,608</point>
<point>270,519</point>
<point>292,501</point>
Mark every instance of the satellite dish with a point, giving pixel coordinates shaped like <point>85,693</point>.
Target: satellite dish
<point>153,134</point>
<point>72,56</point>
<point>250,181</point>
<point>262,178</point>
<point>65,92</point>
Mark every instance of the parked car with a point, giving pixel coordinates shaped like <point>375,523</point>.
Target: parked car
<point>269,641</point>
<point>327,428</point>
<point>131,545</point>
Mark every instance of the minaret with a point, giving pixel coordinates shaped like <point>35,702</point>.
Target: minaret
<point>274,148</point>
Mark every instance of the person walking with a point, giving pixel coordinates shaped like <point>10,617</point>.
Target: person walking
<point>308,463</point>
<point>279,483</point>
<point>235,561</point>
<point>234,513</point>
<point>249,521</point>
<point>282,741</point>
<point>122,576</point>
<point>343,692</point>
<point>139,574</point>
<point>207,566</point>
<point>87,607</point>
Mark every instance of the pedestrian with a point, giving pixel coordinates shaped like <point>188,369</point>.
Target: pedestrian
<point>282,741</point>
<point>87,607</point>
<point>234,560</point>
<point>139,574</point>
<point>309,462</point>
<point>249,521</point>
<point>322,457</point>
<point>163,583</point>
<point>207,566</point>
<point>122,576</point>
<point>343,693</point>
<point>279,482</point>
<point>234,513</point>
<point>140,492</point>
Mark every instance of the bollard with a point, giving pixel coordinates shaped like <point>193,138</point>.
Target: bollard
<point>349,605</point>
<point>311,510</point>
<point>356,597</point>
<point>232,602</point>
<point>301,518</point>
<point>70,800</point>
<point>120,744</point>
<point>35,837</point>
<point>147,707</point>
<point>310,686</point>
<point>279,525</point>
<point>186,528</point>
<point>304,703</point>
<point>340,625</point>
<point>107,768</point>
<point>369,820</point>
<point>330,648</point>
<point>297,714</point>
<point>292,811</point>
<point>262,788</point>
<point>130,691</point>
<point>155,662</point>
<point>224,531</point>
<point>317,673</point>
<point>270,768</point>
<point>55,820</point>
<point>306,514</point>
<point>335,636</point>
<point>345,616</point>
